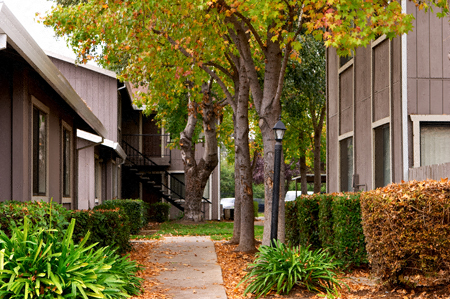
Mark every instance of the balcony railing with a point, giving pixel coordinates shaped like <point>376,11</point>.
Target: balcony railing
<point>150,145</point>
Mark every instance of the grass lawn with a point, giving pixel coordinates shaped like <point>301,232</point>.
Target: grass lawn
<point>215,229</point>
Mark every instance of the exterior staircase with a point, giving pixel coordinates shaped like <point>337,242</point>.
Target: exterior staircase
<point>143,167</point>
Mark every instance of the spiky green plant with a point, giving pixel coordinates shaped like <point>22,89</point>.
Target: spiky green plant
<point>34,264</point>
<point>279,268</point>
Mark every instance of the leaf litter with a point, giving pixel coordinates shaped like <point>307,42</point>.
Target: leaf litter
<point>234,264</point>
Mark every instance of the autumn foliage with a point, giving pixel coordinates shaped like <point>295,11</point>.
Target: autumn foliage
<point>407,229</point>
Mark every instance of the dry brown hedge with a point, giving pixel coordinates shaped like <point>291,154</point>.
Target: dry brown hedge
<point>407,230</point>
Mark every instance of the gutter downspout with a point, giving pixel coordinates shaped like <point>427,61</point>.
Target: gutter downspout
<point>405,141</point>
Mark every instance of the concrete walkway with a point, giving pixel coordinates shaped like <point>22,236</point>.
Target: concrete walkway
<point>193,271</point>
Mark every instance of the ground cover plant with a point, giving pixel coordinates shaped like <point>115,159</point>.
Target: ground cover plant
<point>34,263</point>
<point>39,213</point>
<point>279,268</point>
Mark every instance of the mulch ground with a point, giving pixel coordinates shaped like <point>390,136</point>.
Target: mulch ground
<point>234,266</point>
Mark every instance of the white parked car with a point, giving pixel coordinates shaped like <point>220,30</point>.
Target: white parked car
<point>228,208</point>
<point>227,203</point>
<point>292,195</point>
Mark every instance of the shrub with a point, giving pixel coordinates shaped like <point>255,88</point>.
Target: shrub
<point>134,208</point>
<point>159,211</point>
<point>328,221</point>
<point>308,221</point>
<point>326,234</point>
<point>41,214</point>
<point>407,228</point>
<point>291,223</point>
<point>37,264</point>
<point>349,241</point>
<point>107,228</point>
<point>279,268</point>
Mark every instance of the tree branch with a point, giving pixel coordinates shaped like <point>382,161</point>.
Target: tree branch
<point>241,42</point>
<point>202,66</point>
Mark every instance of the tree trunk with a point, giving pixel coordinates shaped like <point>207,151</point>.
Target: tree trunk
<point>317,139</point>
<point>197,174</point>
<point>237,196</point>
<point>242,151</point>
<point>303,172</point>
<point>266,96</point>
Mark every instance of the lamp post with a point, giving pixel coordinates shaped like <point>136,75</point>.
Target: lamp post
<point>279,130</point>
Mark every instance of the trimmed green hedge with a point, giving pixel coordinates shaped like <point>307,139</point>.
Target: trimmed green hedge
<point>159,211</point>
<point>107,227</point>
<point>255,208</point>
<point>326,234</point>
<point>134,208</point>
<point>330,221</point>
<point>348,241</point>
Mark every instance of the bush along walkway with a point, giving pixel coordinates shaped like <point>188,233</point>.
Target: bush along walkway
<point>189,268</point>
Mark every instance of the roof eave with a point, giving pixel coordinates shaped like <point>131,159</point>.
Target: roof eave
<point>25,45</point>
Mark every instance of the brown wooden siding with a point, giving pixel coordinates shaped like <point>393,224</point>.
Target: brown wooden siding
<point>18,84</point>
<point>428,65</point>
<point>98,90</point>
<point>5,134</point>
<point>381,80</point>
<point>396,104</point>
<point>362,134</point>
<point>332,123</point>
<point>346,101</point>
<point>333,154</point>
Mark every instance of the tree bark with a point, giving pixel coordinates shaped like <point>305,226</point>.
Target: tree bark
<point>242,151</point>
<point>266,98</point>
<point>317,140</point>
<point>303,173</point>
<point>237,196</point>
<point>197,174</point>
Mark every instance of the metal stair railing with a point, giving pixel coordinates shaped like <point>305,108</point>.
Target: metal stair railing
<point>151,162</point>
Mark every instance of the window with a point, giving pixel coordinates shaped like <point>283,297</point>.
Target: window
<point>382,156</point>
<point>66,161</point>
<point>431,139</point>
<point>40,151</point>
<point>346,163</point>
<point>434,143</point>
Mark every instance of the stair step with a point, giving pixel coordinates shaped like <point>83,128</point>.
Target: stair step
<point>145,178</point>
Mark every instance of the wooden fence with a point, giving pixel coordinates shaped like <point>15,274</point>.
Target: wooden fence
<point>435,172</point>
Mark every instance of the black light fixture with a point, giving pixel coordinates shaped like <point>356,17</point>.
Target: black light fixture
<point>279,130</point>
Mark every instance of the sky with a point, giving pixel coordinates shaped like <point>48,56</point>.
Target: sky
<point>25,11</point>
